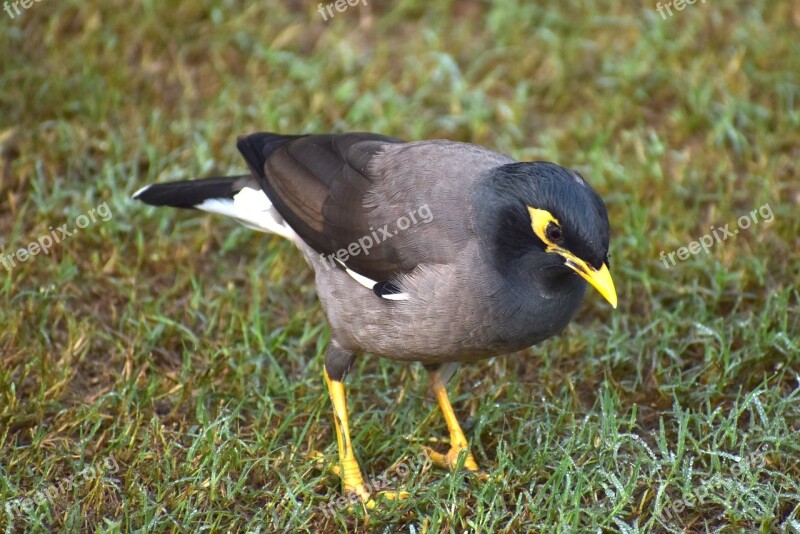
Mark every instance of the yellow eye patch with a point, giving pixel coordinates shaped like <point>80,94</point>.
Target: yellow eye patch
<point>540,220</point>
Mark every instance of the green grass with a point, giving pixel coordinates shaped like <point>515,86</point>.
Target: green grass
<point>186,350</point>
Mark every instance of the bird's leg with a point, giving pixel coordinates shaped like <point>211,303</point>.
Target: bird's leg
<point>349,470</point>
<point>337,363</point>
<point>458,442</point>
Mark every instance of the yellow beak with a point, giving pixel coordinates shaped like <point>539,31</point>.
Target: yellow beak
<point>599,278</point>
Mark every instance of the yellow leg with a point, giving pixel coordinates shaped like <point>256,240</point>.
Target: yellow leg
<point>458,442</point>
<point>349,469</point>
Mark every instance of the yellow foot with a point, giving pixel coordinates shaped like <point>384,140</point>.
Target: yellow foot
<point>389,495</point>
<point>450,460</point>
<point>353,500</point>
<point>368,494</point>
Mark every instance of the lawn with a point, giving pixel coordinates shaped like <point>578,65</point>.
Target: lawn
<point>161,370</point>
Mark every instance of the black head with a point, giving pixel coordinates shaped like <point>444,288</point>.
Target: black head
<point>544,220</point>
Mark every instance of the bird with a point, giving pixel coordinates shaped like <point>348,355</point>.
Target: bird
<point>430,251</point>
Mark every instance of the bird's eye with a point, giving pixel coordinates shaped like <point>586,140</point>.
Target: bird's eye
<point>553,233</point>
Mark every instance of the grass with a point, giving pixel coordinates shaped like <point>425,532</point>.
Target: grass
<point>180,354</point>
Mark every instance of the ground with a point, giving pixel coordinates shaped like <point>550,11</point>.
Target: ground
<point>178,356</point>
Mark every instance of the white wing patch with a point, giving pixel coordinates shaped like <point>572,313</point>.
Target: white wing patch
<point>396,296</point>
<point>369,283</point>
<point>251,208</point>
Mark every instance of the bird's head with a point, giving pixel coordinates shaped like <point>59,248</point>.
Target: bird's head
<point>546,221</point>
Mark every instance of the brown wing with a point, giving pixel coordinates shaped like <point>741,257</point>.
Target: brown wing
<point>319,183</point>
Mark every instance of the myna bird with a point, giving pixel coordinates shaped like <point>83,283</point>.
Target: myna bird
<point>432,251</point>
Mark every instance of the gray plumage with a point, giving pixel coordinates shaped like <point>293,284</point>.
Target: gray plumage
<point>475,280</point>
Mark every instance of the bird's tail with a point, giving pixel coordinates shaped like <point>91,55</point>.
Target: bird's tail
<point>239,197</point>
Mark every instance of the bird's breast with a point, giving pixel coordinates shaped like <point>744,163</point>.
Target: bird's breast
<point>456,312</point>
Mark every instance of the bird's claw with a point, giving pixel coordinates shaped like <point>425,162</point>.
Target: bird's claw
<point>451,459</point>
<point>356,490</point>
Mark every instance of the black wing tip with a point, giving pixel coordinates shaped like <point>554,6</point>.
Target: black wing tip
<point>187,194</point>
<point>138,194</point>
<point>153,195</point>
